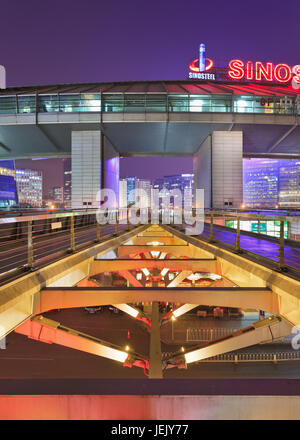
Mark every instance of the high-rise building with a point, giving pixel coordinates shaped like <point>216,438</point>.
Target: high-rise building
<point>182,182</point>
<point>261,180</point>
<point>30,187</point>
<point>67,191</point>
<point>8,188</point>
<point>128,196</point>
<point>289,184</point>
<point>123,193</point>
<point>143,193</point>
<point>131,182</point>
<point>57,194</point>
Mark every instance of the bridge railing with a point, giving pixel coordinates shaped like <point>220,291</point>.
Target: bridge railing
<point>31,239</point>
<point>277,356</point>
<point>282,229</point>
<point>28,239</point>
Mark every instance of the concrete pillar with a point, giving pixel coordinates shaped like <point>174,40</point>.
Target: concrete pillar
<point>218,168</point>
<point>86,168</point>
<point>111,168</point>
<point>95,164</point>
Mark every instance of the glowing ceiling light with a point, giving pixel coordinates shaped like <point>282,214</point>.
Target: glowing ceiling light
<point>164,272</point>
<point>214,276</point>
<point>155,254</point>
<point>112,353</point>
<point>241,105</point>
<point>194,277</point>
<point>196,105</point>
<point>127,309</point>
<point>183,309</point>
<point>146,272</point>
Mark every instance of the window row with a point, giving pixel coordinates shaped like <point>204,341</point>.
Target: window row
<point>148,103</point>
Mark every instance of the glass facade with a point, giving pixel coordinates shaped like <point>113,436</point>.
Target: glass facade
<point>271,183</point>
<point>182,182</point>
<point>30,187</point>
<point>149,102</point>
<point>8,188</point>
<point>67,183</point>
<point>289,184</point>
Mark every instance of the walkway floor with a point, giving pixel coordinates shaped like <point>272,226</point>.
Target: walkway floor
<point>261,246</point>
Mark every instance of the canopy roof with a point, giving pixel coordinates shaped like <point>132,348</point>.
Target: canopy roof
<point>158,87</point>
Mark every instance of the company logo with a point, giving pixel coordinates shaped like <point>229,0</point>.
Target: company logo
<point>200,68</point>
<point>258,71</point>
<point>2,77</point>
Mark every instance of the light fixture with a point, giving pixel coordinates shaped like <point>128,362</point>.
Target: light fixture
<point>146,272</point>
<point>164,271</point>
<point>194,277</point>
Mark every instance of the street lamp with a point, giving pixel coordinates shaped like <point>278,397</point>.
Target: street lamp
<point>172,320</point>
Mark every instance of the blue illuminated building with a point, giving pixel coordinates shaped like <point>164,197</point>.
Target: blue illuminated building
<point>271,183</point>
<point>8,188</point>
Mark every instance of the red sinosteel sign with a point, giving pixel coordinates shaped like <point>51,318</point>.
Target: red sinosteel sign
<point>250,71</point>
<point>282,73</point>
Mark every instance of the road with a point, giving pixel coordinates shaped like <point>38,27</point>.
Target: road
<point>26,358</point>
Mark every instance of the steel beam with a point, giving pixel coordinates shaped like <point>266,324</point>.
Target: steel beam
<point>155,370</point>
<point>260,332</point>
<point>195,265</point>
<point>176,251</point>
<point>282,138</point>
<point>180,277</point>
<point>167,241</point>
<point>52,332</point>
<point>68,297</point>
<point>130,278</point>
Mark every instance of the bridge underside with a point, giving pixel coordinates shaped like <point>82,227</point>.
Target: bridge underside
<point>183,136</point>
<point>202,275</point>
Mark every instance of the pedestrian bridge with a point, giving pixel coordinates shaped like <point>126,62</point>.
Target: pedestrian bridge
<point>127,265</point>
<point>148,118</point>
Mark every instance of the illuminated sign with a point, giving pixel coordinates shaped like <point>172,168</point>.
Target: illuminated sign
<point>259,71</point>
<point>200,68</point>
<point>203,68</point>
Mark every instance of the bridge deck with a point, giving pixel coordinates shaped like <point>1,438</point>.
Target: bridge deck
<point>263,246</point>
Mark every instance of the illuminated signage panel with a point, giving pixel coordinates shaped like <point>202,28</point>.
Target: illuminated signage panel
<point>204,68</point>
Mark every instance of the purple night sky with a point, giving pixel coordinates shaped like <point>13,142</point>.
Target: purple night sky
<point>65,41</point>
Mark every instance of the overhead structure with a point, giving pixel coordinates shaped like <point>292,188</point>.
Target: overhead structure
<point>186,274</point>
